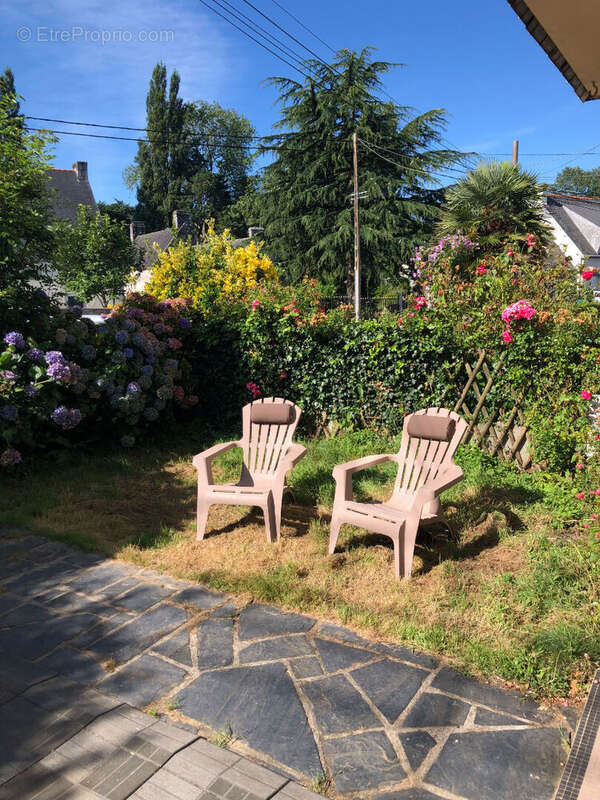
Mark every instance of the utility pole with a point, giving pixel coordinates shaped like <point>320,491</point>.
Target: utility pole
<point>515,159</point>
<point>356,233</point>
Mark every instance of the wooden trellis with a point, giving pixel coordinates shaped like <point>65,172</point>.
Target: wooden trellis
<point>499,431</point>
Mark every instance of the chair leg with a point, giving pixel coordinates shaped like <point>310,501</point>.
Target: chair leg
<point>201,518</point>
<point>334,532</point>
<point>404,549</point>
<point>270,520</point>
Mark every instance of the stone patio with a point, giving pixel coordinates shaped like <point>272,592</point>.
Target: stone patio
<point>308,698</point>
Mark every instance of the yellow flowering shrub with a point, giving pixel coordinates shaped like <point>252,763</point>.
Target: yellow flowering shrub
<point>213,271</point>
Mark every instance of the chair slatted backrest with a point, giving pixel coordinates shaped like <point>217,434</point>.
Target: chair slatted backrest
<point>265,444</point>
<point>420,459</point>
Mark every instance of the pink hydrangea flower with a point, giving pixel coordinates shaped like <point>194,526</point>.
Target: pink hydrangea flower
<point>522,309</point>
<point>586,395</point>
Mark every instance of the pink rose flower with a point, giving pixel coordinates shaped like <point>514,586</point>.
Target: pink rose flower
<point>420,302</point>
<point>588,274</point>
<point>481,270</point>
<point>510,253</point>
<point>255,305</point>
<point>580,495</point>
<point>586,395</point>
<point>506,336</point>
<point>578,466</point>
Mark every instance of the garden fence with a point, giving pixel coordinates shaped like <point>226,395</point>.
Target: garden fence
<point>498,429</point>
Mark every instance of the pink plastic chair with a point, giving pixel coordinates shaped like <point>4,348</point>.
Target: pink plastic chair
<point>269,454</point>
<point>425,468</point>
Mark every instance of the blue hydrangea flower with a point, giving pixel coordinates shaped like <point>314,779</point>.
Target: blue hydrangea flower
<point>129,325</point>
<point>88,352</point>
<point>150,359</point>
<point>147,369</point>
<point>127,441</point>
<point>31,390</point>
<point>133,388</point>
<point>35,354</point>
<point>121,337</point>
<point>128,352</point>
<point>184,323</point>
<point>7,375</point>
<point>54,356</point>
<point>9,413</point>
<point>59,371</point>
<point>15,339</point>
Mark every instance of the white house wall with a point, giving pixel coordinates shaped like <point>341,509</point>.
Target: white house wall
<point>590,230</point>
<point>563,241</point>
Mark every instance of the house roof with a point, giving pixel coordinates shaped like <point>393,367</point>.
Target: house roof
<point>67,191</point>
<point>146,241</point>
<point>568,33</point>
<point>579,217</point>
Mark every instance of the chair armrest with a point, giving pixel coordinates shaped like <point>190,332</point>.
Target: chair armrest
<point>432,489</point>
<point>203,460</point>
<point>350,467</point>
<point>293,455</point>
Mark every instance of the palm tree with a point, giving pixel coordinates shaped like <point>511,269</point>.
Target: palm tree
<point>494,202</point>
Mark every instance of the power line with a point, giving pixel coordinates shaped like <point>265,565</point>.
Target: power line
<point>408,169</point>
<point>258,42</point>
<point>461,171</point>
<point>306,28</point>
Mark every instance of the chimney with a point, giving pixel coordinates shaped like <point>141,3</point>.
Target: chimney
<point>80,169</point>
<point>181,218</point>
<point>253,231</point>
<point>136,229</point>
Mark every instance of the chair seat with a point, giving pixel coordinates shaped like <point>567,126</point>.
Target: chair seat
<point>236,488</point>
<point>382,511</point>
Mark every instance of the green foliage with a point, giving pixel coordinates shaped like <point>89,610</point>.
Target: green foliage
<point>304,202</point>
<point>574,180</point>
<point>494,202</point>
<point>94,257</point>
<point>118,211</point>
<point>25,216</point>
<point>7,90</point>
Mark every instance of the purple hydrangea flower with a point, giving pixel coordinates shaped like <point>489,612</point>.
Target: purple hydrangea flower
<point>129,325</point>
<point>31,390</point>
<point>66,418</point>
<point>54,356</point>
<point>121,337</point>
<point>127,441</point>
<point>128,352</point>
<point>15,339</point>
<point>133,388</point>
<point>59,371</point>
<point>9,413</point>
<point>8,375</point>
<point>184,323</point>
<point>10,457</point>
<point>35,354</point>
<point>171,365</point>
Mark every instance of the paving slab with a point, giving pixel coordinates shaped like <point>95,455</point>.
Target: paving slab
<point>336,656</point>
<point>524,764</point>
<point>306,667</point>
<point>389,685</point>
<point>142,681</point>
<point>416,746</point>
<point>275,648</point>
<point>214,643</point>
<point>177,648</point>
<point>436,710</point>
<point>198,597</point>
<point>33,641</point>
<point>257,621</point>
<point>337,706</point>
<point>363,761</point>
<point>96,578</point>
<point>261,706</point>
<point>76,665</point>
<point>143,596</point>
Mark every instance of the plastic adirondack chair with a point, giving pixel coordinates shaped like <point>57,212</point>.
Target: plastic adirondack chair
<point>425,468</point>
<point>269,454</point>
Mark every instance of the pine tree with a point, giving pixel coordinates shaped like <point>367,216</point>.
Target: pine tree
<point>7,89</point>
<point>305,204</point>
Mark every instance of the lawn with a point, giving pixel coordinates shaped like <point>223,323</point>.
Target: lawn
<point>512,594</point>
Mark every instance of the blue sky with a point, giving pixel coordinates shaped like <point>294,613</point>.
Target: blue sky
<point>472,57</point>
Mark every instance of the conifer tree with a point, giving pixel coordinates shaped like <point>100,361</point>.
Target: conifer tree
<point>305,204</point>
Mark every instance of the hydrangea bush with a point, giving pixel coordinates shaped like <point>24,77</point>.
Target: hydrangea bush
<point>83,381</point>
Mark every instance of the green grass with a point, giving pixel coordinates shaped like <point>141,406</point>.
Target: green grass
<point>513,594</point>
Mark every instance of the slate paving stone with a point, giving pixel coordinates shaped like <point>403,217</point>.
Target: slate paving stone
<point>143,596</point>
<point>103,628</point>
<point>406,654</point>
<point>343,634</point>
<point>257,621</point>
<point>76,665</point>
<point>261,706</point>
<point>389,685</point>
<point>143,681</point>
<point>109,593</point>
<point>92,580</point>
<point>41,579</point>
<point>49,550</point>
<point>227,610</point>
<point>275,648</point>
<point>135,636</point>
<point>70,602</point>
<point>416,746</point>
<point>25,614</point>
<point>449,680</point>
<point>199,597</point>
<point>523,764</point>
<point>10,546</point>
<point>410,794</point>
<point>215,643</point>
<point>485,717</point>
<point>363,761</point>
<point>337,706</point>
<point>306,667</point>
<point>18,674</point>
<point>8,602</point>
<point>34,641</point>
<point>337,656</point>
<point>14,566</point>
<point>436,710</point>
<point>177,648</point>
